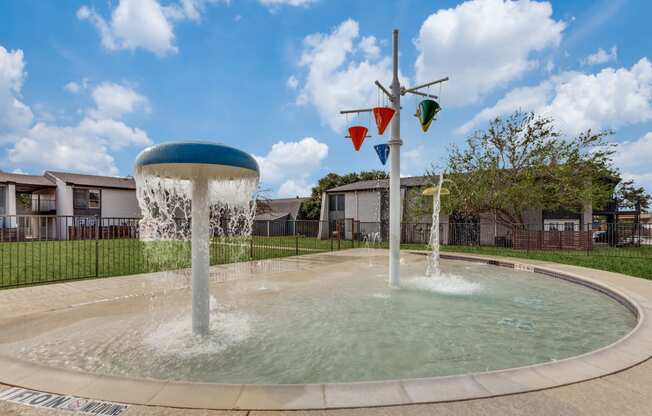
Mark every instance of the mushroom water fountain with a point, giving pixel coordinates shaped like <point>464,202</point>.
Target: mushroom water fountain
<point>194,190</point>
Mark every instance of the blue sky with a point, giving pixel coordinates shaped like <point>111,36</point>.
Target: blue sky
<point>85,85</point>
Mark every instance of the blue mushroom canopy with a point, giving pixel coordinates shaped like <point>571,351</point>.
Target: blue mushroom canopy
<point>192,159</point>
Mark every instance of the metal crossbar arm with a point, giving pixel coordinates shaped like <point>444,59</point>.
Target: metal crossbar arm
<point>389,95</point>
<point>423,94</point>
<point>394,93</point>
<point>348,137</point>
<point>418,87</point>
<point>361,110</point>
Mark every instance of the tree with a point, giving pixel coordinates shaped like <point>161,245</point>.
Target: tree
<point>521,162</point>
<point>311,209</point>
<point>630,196</point>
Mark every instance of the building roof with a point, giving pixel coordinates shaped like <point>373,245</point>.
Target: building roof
<point>280,206</point>
<point>19,178</point>
<point>271,216</point>
<point>406,182</point>
<point>93,180</point>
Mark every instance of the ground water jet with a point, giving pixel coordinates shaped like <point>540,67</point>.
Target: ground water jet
<point>370,241</point>
<point>432,266</point>
<point>188,190</point>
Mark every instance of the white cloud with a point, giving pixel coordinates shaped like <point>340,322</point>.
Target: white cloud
<point>288,165</point>
<point>72,87</point>
<point>113,133</point>
<point>14,114</point>
<point>189,9</point>
<point>483,45</point>
<point>293,3</point>
<point>84,147</point>
<point>635,155</point>
<point>292,82</point>
<point>114,100</point>
<point>81,148</point>
<point>602,57</point>
<point>578,101</point>
<point>369,47</point>
<point>134,24</point>
<point>524,98</point>
<point>640,179</point>
<point>291,188</point>
<point>337,76</point>
<point>144,24</point>
<point>415,161</point>
<point>633,158</point>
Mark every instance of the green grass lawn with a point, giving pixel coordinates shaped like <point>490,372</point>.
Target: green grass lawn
<point>627,261</point>
<point>634,261</point>
<point>38,262</point>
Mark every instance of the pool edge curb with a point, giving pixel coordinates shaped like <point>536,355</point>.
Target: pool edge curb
<point>629,351</point>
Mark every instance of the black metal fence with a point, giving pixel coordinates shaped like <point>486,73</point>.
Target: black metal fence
<point>38,249</point>
<point>45,248</point>
<point>624,239</point>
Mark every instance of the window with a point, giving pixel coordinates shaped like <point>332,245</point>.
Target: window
<point>80,198</point>
<point>561,225</point>
<point>336,202</point>
<point>93,198</point>
<point>86,198</point>
<point>332,202</point>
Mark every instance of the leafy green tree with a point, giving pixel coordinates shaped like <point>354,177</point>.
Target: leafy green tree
<point>630,196</point>
<point>311,209</point>
<point>522,161</point>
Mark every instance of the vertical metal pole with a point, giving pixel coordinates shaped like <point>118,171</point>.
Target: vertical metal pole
<point>97,245</point>
<point>339,234</point>
<point>296,238</point>
<point>200,260</point>
<point>395,174</point>
<point>589,237</point>
<point>330,234</point>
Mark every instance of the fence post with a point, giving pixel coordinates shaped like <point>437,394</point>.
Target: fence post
<point>97,246</point>
<point>251,248</point>
<point>296,238</point>
<point>339,234</point>
<point>330,235</point>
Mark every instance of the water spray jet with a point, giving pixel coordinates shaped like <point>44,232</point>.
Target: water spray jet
<point>432,268</point>
<point>199,164</point>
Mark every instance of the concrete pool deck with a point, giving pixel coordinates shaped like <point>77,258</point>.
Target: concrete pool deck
<point>619,375</point>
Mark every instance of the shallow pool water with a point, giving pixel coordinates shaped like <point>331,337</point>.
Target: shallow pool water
<point>338,324</point>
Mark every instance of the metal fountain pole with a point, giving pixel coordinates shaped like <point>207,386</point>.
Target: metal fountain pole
<point>395,143</point>
<point>200,256</point>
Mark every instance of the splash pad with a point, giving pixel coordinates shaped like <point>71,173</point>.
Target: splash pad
<point>198,186</point>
